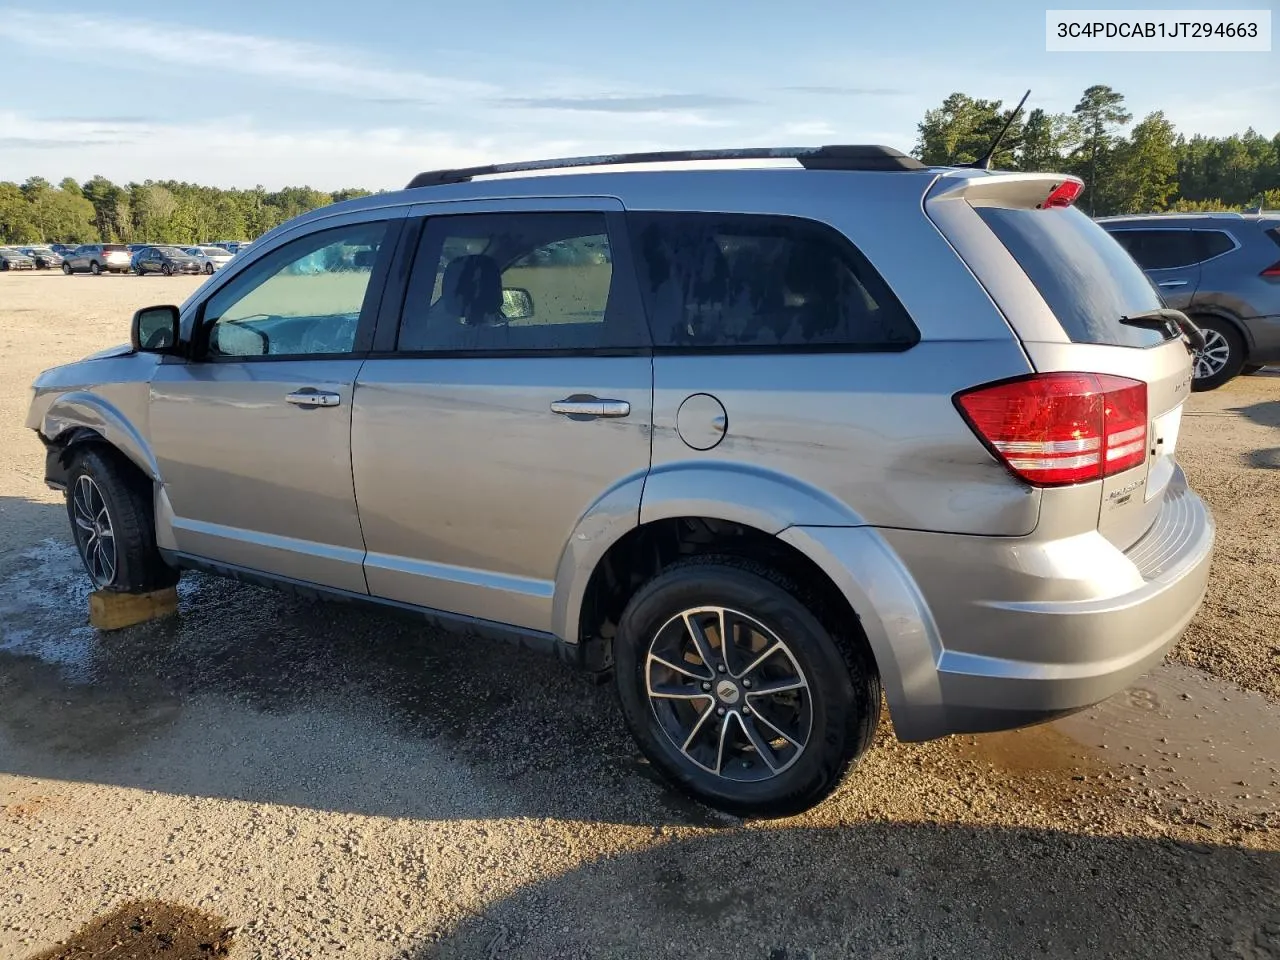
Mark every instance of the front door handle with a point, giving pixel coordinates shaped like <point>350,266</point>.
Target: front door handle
<point>1173,283</point>
<point>581,407</point>
<point>311,397</point>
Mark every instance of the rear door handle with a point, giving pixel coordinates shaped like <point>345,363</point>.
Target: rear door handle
<point>311,397</point>
<point>1173,283</point>
<point>583,407</point>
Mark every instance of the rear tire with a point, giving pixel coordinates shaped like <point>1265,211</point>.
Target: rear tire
<point>109,505</point>
<point>167,270</point>
<point>1223,356</point>
<point>208,269</point>
<point>709,724</point>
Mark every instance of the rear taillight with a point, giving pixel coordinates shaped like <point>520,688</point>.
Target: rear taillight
<point>1052,429</point>
<point>1064,194</point>
<point>1274,269</point>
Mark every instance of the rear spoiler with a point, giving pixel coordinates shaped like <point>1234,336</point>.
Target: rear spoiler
<point>1031,191</point>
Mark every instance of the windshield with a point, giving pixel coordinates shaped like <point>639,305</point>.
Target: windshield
<point>1084,275</point>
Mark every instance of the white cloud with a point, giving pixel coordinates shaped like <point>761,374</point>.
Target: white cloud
<point>314,66</point>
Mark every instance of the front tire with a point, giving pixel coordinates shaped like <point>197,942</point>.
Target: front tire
<point>765,725</point>
<point>208,269</point>
<point>94,268</point>
<point>109,505</point>
<point>1222,358</point>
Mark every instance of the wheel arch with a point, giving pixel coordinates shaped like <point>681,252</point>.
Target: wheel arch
<point>81,417</point>
<point>1218,312</point>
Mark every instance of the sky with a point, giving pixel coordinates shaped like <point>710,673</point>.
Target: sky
<point>335,94</point>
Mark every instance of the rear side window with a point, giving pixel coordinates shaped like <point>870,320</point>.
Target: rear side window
<point>1214,243</point>
<point>517,283</point>
<point>1161,249</point>
<point>1084,275</point>
<point>738,281</point>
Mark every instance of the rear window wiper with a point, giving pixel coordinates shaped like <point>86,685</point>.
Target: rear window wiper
<point>1168,319</point>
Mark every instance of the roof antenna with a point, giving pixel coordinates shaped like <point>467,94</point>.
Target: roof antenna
<point>984,161</point>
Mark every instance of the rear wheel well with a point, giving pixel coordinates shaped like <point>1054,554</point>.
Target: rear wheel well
<point>1229,319</point>
<point>647,550</point>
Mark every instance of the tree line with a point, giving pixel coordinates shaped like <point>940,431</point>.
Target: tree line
<point>165,211</point>
<point>1149,168</point>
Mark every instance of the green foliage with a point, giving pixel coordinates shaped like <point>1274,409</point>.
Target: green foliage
<point>165,211</point>
<point>1151,169</point>
<point>1146,166</point>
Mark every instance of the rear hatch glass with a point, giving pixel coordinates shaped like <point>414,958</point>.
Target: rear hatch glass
<point>114,248</point>
<point>1084,275</point>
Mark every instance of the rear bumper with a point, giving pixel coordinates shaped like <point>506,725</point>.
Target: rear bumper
<point>986,633</point>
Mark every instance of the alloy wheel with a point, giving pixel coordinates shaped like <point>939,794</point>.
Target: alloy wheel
<point>1214,356</point>
<point>728,693</point>
<point>94,535</point>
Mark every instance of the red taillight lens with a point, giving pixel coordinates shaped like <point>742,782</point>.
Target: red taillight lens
<point>1064,194</point>
<point>1271,271</point>
<point>1052,429</point>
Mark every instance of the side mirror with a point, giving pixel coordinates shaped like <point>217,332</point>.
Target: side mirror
<point>517,304</point>
<point>237,340</point>
<point>155,329</point>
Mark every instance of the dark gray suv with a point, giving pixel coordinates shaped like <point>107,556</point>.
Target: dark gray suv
<point>1224,270</point>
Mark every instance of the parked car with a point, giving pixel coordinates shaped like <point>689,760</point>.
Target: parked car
<point>211,258</point>
<point>1223,269</point>
<point>45,258</point>
<point>97,258</point>
<point>62,249</point>
<point>748,462</point>
<point>11,258</point>
<point>166,260</point>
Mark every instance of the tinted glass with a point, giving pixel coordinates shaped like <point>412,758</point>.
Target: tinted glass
<point>304,298</point>
<point>726,281</point>
<point>1213,243</point>
<point>1084,275</point>
<point>516,282</point>
<point>1160,249</point>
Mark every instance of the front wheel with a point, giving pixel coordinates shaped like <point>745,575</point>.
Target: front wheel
<point>740,692</point>
<point>1222,358</point>
<point>109,505</point>
<point>208,269</point>
<point>94,268</point>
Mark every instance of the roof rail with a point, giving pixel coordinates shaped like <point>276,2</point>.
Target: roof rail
<point>833,157</point>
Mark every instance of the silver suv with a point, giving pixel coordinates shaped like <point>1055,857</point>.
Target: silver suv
<point>763,442</point>
<point>1223,269</point>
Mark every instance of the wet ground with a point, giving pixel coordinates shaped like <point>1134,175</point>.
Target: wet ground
<point>333,781</point>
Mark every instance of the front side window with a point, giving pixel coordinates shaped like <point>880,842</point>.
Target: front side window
<point>516,282</point>
<point>303,299</point>
<point>726,281</point>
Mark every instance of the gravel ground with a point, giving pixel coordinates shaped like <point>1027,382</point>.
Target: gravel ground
<point>328,781</point>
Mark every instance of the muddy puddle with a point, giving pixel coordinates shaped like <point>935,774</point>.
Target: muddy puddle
<point>147,930</point>
<point>1177,730</point>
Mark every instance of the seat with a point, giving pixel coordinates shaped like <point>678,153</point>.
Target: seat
<point>470,292</point>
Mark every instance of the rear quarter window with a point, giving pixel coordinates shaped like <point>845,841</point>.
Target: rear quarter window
<point>713,281</point>
<point>1083,274</point>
